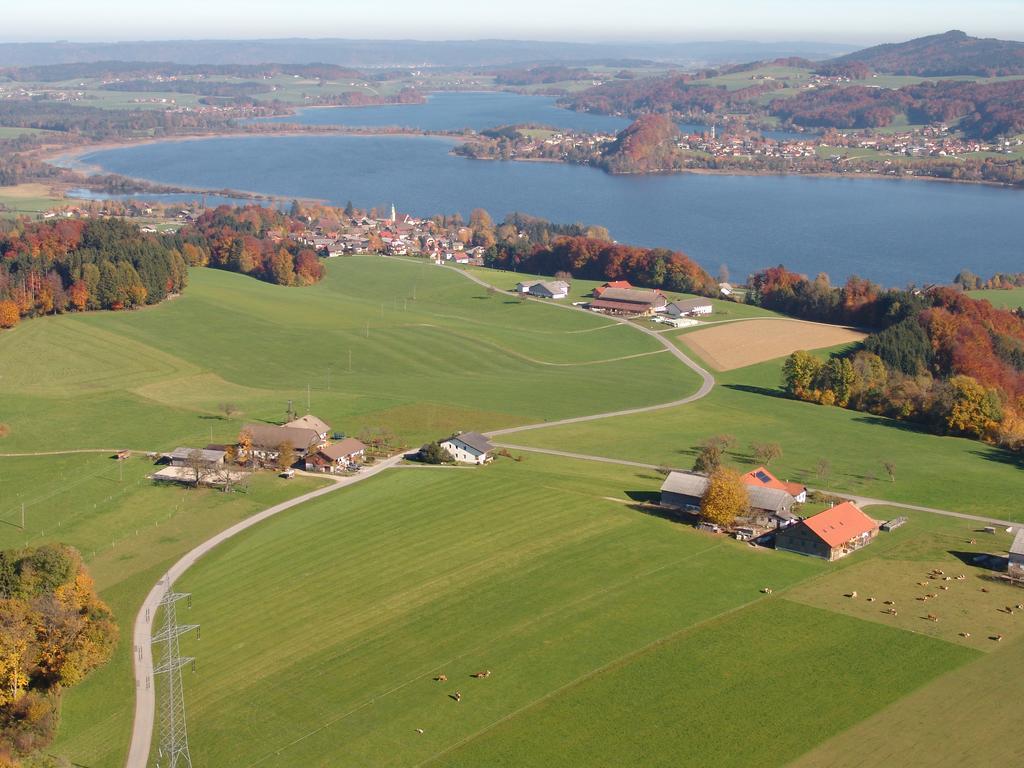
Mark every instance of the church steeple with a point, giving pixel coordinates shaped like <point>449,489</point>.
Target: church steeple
<point>394,216</point>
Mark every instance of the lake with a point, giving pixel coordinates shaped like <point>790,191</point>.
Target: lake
<point>891,231</point>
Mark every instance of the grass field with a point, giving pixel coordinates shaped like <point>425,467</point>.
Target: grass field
<point>129,531</point>
<point>322,629</point>
<point>26,199</point>
<point>1005,299</point>
<point>737,345</point>
<point>944,472</point>
<point>626,635</point>
<point>430,352</point>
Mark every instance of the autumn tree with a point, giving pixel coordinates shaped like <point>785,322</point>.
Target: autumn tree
<point>9,314</point>
<point>890,470</point>
<point>799,373</point>
<point>725,498</point>
<point>285,455</point>
<point>765,453</point>
<point>197,466</point>
<point>244,451</point>
<point>975,410</point>
<point>709,456</point>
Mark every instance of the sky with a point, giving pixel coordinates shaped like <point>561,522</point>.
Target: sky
<point>846,21</point>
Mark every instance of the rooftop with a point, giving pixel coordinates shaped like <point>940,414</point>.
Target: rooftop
<point>839,524</point>
<point>474,440</point>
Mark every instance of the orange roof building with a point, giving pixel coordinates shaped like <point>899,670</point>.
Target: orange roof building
<point>762,478</point>
<point>831,534</point>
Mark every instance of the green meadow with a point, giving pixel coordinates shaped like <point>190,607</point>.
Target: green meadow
<point>614,635</point>
<point>943,472</point>
<point>1011,298</point>
<point>386,344</point>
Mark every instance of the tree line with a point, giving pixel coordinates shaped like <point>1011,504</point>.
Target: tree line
<point>937,358</point>
<point>253,240</point>
<point>66,265</point>
<point>54,631</point>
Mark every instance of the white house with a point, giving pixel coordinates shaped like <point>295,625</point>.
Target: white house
<point>547,289</point>
<point>689,308</point>
<point>469,448</point>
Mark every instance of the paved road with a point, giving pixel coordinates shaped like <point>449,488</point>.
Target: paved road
<point>145,694</point>
<point>706,384</point>
<point>860,501</point>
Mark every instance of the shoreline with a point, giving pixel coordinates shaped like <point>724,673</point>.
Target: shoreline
<point>70,158</point>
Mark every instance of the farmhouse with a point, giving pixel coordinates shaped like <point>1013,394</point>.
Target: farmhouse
<point>309,421</point>
<point>190,457</point>
<point>629,301</point>
<point>547,289</point>
<point>689,308</point>
<point>614,284</point>
<point>469,448</point>
<point>769,507</point>
<point>336,457</point>
<point>267,440</point>
<point>762,478</point>
<point>830,535</point>
<point>1015,561</point>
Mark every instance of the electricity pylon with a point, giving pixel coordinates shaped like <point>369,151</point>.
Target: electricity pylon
<point>173,751</point>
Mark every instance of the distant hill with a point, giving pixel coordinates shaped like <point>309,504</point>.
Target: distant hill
<point>951,53</point>
<point>406,53</point>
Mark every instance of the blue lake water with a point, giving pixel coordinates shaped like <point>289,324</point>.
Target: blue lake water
<point>891,231</point>
<point>454,111</point>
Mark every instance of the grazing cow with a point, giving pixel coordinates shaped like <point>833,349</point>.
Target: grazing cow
<point>442,678</point>
<point>932,617</point>
<point>961,577</point>
<point>946,578</point>
<point>853,594</point>
<point>933,595</point>
<point>1020,606</point>
<point>943,587</point>
<point>766,590</point>
<point>984,589</point>
<point>419,730</point>
<point>892,612</point>
<point>922,583</point>
<point>965,634</point>
<point>973,541</point>
<point>997,638</point>
<point>890,602</point>
<point>871,599</point>
<point>457,696</point>
<point>485,673</point>
<point>923,598</point>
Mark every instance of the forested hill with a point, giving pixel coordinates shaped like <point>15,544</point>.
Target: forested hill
<point>48,267</point>
<point>951,53</point>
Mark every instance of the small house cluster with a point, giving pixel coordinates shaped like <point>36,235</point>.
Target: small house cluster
<point>830,535</point>
<point>307,437</point>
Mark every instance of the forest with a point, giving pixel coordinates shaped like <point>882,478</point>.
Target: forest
<point>950,53</point>
<point>646,146</point>
<point>937,357</point>
<point>59,266</point>
<point>592,258</point>
<point>985,110</point>
<point>252,240</point>
<point>54,631</point>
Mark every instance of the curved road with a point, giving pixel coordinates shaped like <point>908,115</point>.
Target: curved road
<point>145,693</point>
<point>706,384</point>
<point>145,698</point>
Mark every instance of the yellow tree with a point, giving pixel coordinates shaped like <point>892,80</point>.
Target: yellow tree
<point>244,452</point>
<point>725,498</point>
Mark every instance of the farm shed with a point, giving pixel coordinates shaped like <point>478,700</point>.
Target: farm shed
<point>689,307</point>
<point>683,489</point>
<point>830,535</point>
<point>184,457</point>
